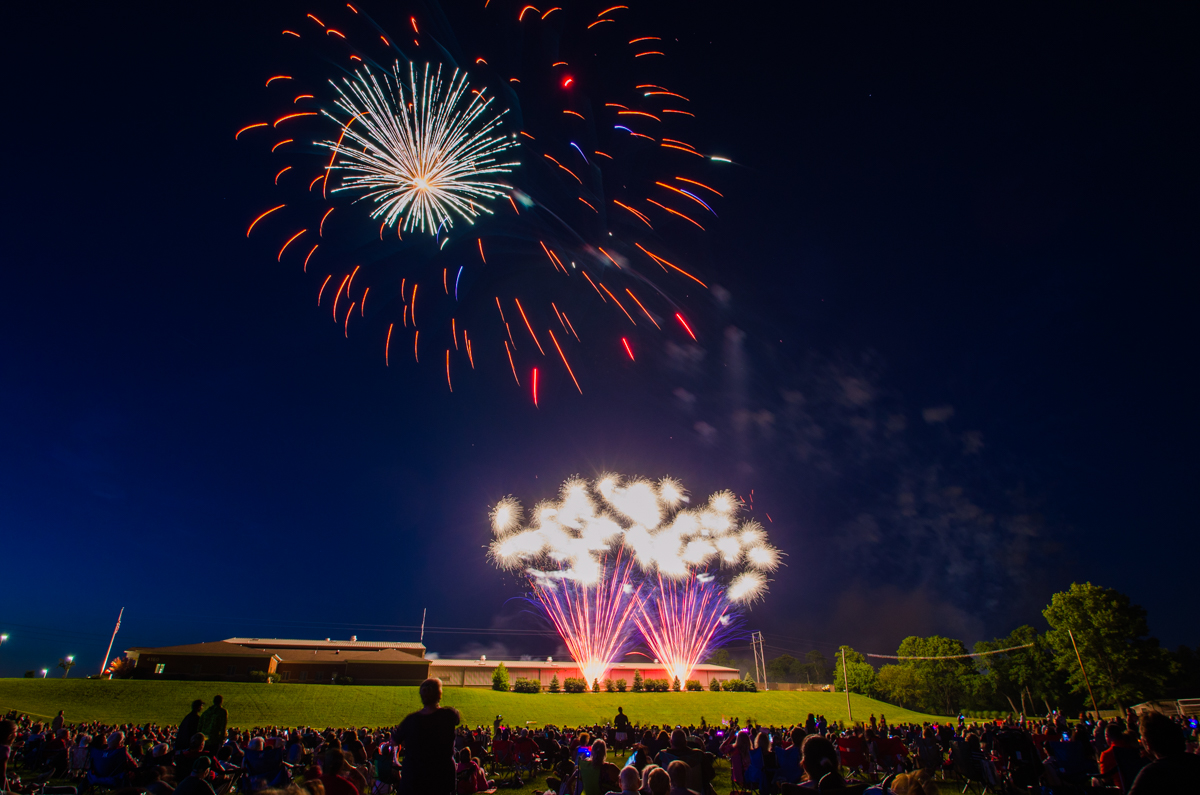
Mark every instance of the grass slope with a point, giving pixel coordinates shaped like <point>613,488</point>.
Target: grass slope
<point>328,705</point>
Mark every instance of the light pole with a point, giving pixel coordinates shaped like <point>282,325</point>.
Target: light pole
<point>44,672</point>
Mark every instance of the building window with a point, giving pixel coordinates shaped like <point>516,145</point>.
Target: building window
<point>229,670</point>
<point>285,675</point>
<point>158,669</point>
<point>303,676</point>
<point>195,668</point>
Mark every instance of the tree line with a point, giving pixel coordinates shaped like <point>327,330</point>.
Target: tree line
<point>1041,671</point>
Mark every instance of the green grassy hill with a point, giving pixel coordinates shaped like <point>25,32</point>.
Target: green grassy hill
<point>327,705</point>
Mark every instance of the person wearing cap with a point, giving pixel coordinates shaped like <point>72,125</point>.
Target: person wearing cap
<point>188,727</point>
<point>198,783</point>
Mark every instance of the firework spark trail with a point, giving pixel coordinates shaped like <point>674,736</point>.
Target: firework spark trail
<point>681,621</point>
<point>416,153</point>
<point>673,559</point>
<point>596,622</point>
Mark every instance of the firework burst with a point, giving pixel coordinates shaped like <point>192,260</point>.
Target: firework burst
<point>419,152</point>
<point>617,552</point>
<point>505,204</point>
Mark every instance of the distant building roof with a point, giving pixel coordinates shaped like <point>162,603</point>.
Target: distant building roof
<point>220,648</point>
<point>295,643</point>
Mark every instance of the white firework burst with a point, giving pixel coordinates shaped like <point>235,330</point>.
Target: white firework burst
<point>418,151</point>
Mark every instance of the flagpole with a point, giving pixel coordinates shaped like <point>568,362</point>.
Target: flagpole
<point>112,640</point>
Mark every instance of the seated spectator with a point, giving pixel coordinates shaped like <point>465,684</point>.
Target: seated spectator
<point>819,759</point>
<point>1173,769</point>
<point>198,782</point>
<point>631,781</point>
<point>470,775</point>
<point>332,775</point>
<point>678,774</point>
<point>657,782</point>
<point>700,763</point>
<point>598,775</point>
<point>788,759</point>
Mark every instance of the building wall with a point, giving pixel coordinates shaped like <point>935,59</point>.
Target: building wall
<point>200,666</point>
<point>470,673</point>
<point>369,673</point>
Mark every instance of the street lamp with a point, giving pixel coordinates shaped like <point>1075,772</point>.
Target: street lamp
<point>44,672</point>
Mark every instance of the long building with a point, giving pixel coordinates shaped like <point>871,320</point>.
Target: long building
<point>297,661</point>
<point>478,673</point>
<point>311,661</point>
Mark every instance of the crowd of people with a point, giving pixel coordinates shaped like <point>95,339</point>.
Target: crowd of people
<point>430,752</point>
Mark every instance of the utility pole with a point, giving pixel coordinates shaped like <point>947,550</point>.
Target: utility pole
<point>1085,676</point>
<point>111,641</point>
<point>760,658</point>
<point>846,681</point>
<point>424,610</point>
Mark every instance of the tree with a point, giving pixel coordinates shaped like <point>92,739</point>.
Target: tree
<point>596,685</point>
<point>785,668</point>
<point>1019,676</point>
<point>858,671</point>
<point>554,688</point>
<point>899,684</point>
<point>721,657</point>
<point>714,685</point>
<point>944,683</point>
<point>639,686</point>
<point>818,667</point>
<point>1123,663</point>
<point>500,678</point>
<point>66,663</point>
<point>675,685</point>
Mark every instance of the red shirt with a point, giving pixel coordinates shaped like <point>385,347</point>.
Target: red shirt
<point>336,785</point>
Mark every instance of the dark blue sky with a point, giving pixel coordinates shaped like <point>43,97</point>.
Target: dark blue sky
<point>954,361</point>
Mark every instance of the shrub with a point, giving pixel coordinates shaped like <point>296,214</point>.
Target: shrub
<point>657,685</point>
<point>554,688</point>
<point>30,675</point>
<point>694,685</point>
<point>714,685</point>
<point>500,678</point>
<point>675,684</point>
<point>343,680</point>
<point>621,685</point>
<point>523,685</point>
<point>610,686</point>
<point>573,684</point>
<point>257,676</point>
<point>639,685</point>
<point>596,685</point>
<point>739,686</point>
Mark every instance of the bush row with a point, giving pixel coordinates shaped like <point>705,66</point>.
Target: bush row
<point>579,685</point>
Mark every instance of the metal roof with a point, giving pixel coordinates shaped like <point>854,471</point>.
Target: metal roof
<point>327,643</point>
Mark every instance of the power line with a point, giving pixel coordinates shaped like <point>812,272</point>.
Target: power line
<point>951,656</point>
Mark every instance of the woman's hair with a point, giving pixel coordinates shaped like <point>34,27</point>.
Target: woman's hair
<point>464,756</point>
<point>818,757</point>
<point>430,692</point>
<point>658,781</point>
<point>599,751</point>
<point>742,743</point>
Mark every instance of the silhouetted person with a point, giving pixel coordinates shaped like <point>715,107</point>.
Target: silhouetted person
<point>427,739</point>
<point>213,725</point>
<point>1173,769</point>
<point>188,727</point>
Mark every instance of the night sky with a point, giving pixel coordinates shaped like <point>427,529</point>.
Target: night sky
<point>949,352</point>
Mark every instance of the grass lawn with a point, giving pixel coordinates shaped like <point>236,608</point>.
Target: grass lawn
<point>127,701</point>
